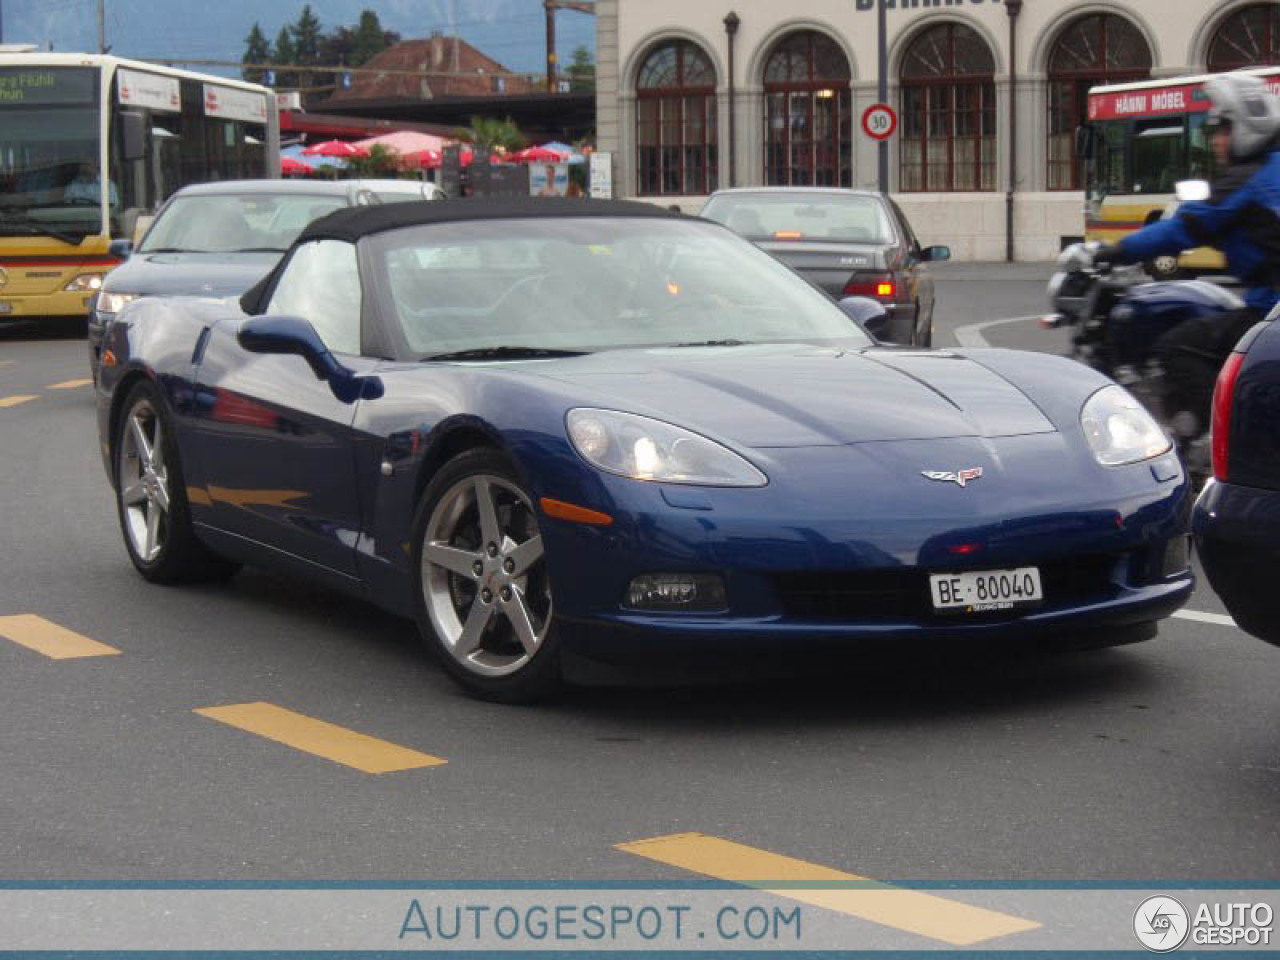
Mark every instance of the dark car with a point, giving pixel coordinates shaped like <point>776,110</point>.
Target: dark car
<point>847,242</point>
<point>562,430</point>
<point>219,239</point>
<point>1237,518</point>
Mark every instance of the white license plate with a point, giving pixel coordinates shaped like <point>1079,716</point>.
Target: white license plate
<point>6,307</point>
<point>986,591</point>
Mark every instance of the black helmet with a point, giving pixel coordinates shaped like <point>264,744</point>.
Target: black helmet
<point>1243,103</point>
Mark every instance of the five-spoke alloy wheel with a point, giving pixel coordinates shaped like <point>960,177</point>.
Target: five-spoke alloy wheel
<point>483,589</point>
<point>151,497</point>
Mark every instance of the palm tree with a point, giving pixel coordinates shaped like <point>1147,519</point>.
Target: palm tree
<point>489,134</point>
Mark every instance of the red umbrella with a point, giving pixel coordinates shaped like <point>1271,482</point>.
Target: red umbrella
<point>335,148</point>
<point>290,167</point>
<point>425,159</point>
<point>538,155</point>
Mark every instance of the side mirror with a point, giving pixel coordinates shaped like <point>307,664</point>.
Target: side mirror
<point>869,313</point>
<point>133,136</point>
<point>121,249</point>
<point>283,334</point>
<point>1086,141</point>
<point>936,254</point>
<point>1193,191</point>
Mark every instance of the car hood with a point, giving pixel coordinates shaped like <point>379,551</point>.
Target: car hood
<point>799,396</point>
<point>200,274</point>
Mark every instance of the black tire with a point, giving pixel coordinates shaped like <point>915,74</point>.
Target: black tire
<point>178,556</point>
<point>499,666</point>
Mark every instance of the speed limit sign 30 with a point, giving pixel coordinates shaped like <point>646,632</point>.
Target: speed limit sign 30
<point>879,121</point>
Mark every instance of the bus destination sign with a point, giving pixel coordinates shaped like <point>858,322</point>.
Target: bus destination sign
<point>44,86</point>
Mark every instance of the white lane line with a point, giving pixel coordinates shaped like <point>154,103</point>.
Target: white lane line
<point>1217,619</point>
<point>970,335</point>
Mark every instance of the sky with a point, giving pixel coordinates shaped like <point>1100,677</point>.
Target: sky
<point>510,31</point>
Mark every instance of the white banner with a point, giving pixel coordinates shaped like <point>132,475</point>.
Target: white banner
<point>231,104</point>
<point>148,90</point>
<point>602,176</point>
<point>811,918</point>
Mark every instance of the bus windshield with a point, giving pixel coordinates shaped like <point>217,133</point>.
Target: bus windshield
<point>49,177</point>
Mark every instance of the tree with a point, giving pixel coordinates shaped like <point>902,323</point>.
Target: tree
<point>257,50</point>
<point>582,72</point>
<point>283,53</point>
<point>486,134</point>
<point>306,38</point>
<point>370,39</point>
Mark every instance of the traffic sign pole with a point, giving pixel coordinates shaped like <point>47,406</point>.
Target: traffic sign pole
<point>883,45</point>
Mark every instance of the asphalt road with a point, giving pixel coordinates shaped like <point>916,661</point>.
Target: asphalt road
<point>1153,762</point>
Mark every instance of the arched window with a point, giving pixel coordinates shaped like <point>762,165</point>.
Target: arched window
<point>676,121</point>
<point>1094,50</point>
<point>808,125</point>
<point>1250,37</point>
<point>948,112</point>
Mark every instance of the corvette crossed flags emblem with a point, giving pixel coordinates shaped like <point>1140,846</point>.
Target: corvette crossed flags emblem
<point>960,477</point>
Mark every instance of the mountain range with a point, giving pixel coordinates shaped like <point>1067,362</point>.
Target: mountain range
<point>510,31</point>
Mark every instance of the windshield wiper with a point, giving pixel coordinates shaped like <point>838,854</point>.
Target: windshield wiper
<point>151,250</point>
<point>37,229</point>
<point>258,250</point>
<point>505,353</point>
<point>713,343</point>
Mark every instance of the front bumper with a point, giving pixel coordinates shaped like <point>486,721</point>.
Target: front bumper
<point>812,560</point>
<point>1236,535</point>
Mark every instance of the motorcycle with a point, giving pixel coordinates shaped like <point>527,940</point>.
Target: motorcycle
<point>1117,315</point>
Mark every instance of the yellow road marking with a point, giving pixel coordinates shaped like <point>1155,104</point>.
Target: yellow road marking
<point>951,922</point>
<point>15,400</point>
<point>55,642</point>
<point>322,739</point>
<point>70,384</point>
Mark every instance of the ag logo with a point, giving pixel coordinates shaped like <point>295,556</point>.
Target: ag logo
<point>1161,924</point>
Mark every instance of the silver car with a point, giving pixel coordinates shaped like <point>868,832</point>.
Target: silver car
<point>847,242</point>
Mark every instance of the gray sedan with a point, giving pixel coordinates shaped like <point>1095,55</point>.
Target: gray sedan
<point>848,242</point>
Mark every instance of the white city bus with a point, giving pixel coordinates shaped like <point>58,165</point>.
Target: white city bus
<point>90,146</point>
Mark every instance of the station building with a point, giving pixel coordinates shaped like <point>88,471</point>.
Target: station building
<point>694,95</point>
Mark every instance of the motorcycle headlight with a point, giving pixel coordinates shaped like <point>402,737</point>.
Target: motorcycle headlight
<point>1119,430</point>
<point>85,283</point>
<point>645,449</point>
<point>115,302</point>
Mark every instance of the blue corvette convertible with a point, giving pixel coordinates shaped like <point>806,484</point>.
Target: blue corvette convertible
<point>560,431</point>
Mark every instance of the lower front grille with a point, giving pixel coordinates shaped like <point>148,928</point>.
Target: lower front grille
<point>903,594</point>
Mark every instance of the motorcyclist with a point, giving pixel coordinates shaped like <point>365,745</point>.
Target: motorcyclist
<point>1242,219</point>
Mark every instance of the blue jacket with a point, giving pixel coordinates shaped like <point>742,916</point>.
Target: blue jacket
<point>1244,225</point>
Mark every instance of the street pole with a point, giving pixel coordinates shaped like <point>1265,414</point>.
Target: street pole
<point>883,29</point>
<point>551,47</point>
<point>731,24</point>
<point>102,26</point>
<point>1013,8</point>
<point>1,21</point>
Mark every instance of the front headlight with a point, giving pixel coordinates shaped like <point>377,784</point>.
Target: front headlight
<point>646,449</point>
<point>1119,430</point>
<point>115,302</point>
<point>85,283</point>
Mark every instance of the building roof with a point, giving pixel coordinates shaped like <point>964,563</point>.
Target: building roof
<point>449,67</point>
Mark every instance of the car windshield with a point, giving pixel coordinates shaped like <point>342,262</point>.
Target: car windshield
<point>594,284</point>
<point>814,217</point>
<point>50,183</point>
<point>232,223</point>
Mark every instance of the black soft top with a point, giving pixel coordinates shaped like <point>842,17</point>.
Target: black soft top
<point>352,223</point>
